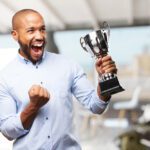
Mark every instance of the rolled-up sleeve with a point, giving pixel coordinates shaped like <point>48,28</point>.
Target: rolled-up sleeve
<point>86,93</point>
<point>10,123</point>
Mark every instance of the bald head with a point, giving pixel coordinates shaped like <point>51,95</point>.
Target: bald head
<point>16,20</point>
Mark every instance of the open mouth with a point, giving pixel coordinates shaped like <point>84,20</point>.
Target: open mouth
<point>37,49</point>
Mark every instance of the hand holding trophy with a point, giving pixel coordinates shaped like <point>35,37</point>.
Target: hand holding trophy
<point>96,43</point>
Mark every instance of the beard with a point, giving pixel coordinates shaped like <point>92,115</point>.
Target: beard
<point>26,49</point>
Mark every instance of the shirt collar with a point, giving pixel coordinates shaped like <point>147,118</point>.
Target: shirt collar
<point>26,61</point>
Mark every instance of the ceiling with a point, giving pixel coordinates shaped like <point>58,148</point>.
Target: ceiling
<point>79,14</point>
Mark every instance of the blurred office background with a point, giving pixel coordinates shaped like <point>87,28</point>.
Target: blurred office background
<point>129,45</point>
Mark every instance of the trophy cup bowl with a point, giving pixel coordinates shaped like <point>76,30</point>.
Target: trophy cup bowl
<point>96,43</point>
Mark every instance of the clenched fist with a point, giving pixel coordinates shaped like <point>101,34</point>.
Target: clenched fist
<point>39,96</point>
<point>105,65</point>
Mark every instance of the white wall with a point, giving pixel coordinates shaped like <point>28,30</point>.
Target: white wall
<point>6,55</point>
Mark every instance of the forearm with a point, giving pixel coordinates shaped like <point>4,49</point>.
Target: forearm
<point>39,96</point>
<point>28,115</point>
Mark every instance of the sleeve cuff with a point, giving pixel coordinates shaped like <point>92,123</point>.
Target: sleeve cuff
<point>99,105</point>
<point>101,102</point>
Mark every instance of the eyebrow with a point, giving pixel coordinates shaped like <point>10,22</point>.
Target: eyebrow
<point>43,26</point>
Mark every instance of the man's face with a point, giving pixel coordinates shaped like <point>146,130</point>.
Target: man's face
<point>31,36</point>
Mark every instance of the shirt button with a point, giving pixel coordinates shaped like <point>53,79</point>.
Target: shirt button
<point>48,137</point>
<point>36,67</point>
<point>46,118</point>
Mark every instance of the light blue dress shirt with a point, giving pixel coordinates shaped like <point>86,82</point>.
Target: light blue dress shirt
<point>52,127</point>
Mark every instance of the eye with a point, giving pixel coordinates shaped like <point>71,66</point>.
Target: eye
<point>30,30</point>
<point>42,29</point>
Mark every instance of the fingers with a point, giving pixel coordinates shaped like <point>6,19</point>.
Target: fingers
<point>106,65</point>
<point>34,90</point>
<point>44,93</point>
<point>39,95</point>
<point>111,70</point>
<point>109,66</point>
<point>39,91</point>
<point>104,61</point>
<point>99,62</point>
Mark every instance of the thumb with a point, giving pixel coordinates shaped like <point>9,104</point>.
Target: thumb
<point>98,62</point>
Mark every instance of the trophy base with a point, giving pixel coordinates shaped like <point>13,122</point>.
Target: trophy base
<point>110,87</point>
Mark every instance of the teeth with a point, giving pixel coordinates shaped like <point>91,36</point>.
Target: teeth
<point>38,44</point>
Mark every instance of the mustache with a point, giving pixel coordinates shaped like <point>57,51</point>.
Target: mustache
<point>42,40</point>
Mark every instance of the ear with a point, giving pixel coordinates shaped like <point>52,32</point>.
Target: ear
<point>14,34</point>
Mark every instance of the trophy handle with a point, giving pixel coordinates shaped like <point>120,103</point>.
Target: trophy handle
<point>82,42</point>
<point>106,30</point>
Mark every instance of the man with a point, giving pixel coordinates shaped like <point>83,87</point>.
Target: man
<point>36,90</point>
